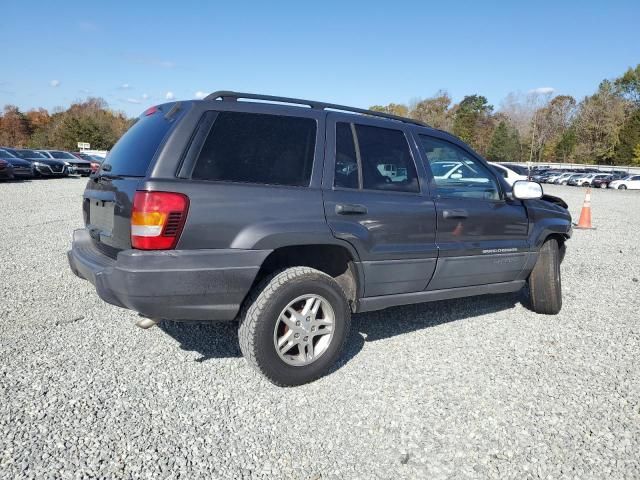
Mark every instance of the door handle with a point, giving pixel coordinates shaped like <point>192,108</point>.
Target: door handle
<point>350,209</point>
<point>455,213</point>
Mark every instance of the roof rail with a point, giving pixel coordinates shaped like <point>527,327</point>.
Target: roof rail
<point>225,95</point>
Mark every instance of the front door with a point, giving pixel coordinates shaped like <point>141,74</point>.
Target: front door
<point>482,237</point>
<point>373,199</point>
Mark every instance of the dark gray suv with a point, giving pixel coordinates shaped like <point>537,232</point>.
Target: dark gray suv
<point>290,215</point>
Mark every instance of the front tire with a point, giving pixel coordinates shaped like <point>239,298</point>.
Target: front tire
<point>622,187</point>
<point>545,285</point>
<point>295,326</point>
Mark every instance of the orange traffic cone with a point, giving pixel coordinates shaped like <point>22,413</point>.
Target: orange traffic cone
<point>585,215</point>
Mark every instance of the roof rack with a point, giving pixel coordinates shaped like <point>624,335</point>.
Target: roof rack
<point>225,95</point>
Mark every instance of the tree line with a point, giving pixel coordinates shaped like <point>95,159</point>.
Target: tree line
<point>602,128</point>
<point>84,121</point>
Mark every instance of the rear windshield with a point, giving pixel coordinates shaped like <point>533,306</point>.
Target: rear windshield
<point>132,154</point>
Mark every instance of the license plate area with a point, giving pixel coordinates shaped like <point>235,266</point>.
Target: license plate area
<point>101,216</point>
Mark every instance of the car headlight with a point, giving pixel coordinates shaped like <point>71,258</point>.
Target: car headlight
<point>37,164</point>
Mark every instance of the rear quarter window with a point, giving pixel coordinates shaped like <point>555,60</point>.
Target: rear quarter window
<point>258,148</point>
<point>133,153</point>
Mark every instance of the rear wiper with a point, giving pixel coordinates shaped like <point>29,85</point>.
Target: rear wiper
<point>108,176</point>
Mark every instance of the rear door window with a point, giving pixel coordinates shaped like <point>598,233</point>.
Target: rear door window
<point>133,153</point>
<point>258,148</point>
<point>375,158</point>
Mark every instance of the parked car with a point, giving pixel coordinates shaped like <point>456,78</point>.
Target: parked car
<point>75,164</point>
<point>564,178</point>
<point>21,168</point>
<point>519,169</point>
<point>42,166</point>
<point>587,180</point>
<point>551,178</point>
<point>631,182</point>
<point>603,182</point>
<point>94,160</point>
<point>575,178</point>
<point>542,176</point>
<point>6,170</point>
<point>217,209</point>
<point>509,175</point>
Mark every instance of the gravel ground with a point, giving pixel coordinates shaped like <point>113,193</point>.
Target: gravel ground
<point>472,388</point>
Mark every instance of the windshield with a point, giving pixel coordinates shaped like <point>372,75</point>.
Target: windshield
<point>61,155</point>
<point>5,154</point>
<point>30,154</point>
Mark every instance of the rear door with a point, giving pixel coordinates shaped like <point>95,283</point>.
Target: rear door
<point>375,198</point>
<point>108,196</point>
<point>482,238</point>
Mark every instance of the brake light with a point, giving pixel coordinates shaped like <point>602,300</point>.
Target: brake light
<point>157,219</point>
<point>150,111</point>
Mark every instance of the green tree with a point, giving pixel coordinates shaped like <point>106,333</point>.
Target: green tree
<point>566,145</point>
<point>505,144</point>
<point>629,138</point>
<point>629,84</point>
<point>470,121</point>
<point>636,155</point>
<point>598,122</point>
<point>87,121</point>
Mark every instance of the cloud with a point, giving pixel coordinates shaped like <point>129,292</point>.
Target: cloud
<point>54,83</point>
<point>169,96</point>
<point>133,100</point>
<point>124,86</point>
<point>542,90</point>
<point>199,94</point>
<point>145,96</point>
<point>85,91</point>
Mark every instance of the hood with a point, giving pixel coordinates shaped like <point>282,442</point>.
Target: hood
<point>17,162</point>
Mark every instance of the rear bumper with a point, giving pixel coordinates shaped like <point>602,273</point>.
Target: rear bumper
<point>171,284</point>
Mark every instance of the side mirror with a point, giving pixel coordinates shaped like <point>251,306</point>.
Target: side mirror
<point>525,190</point>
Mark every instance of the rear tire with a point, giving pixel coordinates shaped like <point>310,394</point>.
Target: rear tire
<point>261,322</point>
<point>545,285</point>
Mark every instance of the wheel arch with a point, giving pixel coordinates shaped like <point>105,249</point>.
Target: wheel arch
<point>335,258</point>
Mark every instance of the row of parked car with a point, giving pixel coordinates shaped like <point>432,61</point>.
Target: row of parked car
<point>23,163</point>
<point>589,177</point>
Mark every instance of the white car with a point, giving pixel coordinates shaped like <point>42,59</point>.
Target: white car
<point>510,175</point>
<point>457,170</point>
<point>586,180</point>
<point>632,182</point>
<point>564,178</point>
<point>554,177</point>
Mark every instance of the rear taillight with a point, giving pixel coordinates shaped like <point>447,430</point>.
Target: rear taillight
<point>157,219</point>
